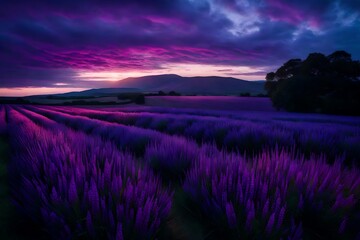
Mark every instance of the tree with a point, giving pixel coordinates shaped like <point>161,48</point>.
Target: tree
<point>139,99</point>
<point>162,93</point>
<point>326,84</point>
<point>173,93</point>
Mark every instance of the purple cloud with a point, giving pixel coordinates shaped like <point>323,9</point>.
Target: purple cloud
<point>47,42</point>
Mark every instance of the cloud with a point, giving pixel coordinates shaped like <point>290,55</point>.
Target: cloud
<point>47,42</point>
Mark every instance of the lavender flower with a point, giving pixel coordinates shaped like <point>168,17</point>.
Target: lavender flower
<point>45,174</point>
<point>82,171</point>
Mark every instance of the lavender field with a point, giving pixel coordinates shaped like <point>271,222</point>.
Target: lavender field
<point>165,173</point>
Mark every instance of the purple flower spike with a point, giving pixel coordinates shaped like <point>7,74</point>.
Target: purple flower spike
<point>270,224</point>
<point>342,225</point>
<point>119,233</point>
<point>73,196</point>
<point>230,213</point>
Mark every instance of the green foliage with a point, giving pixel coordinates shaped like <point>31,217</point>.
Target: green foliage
<point>245,94</point>
<point>137,98</point>
<point>173,93</point>
<point>12,100</point>
<point>140,99</point>
<point>324,84</point>
<point>162,93</point>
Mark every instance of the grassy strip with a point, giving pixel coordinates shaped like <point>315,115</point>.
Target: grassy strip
<point>6,208</point>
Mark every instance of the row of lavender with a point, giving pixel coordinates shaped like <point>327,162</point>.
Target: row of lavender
<point>2,119</point>
<point>275,196</point>
<point>334,140</point>
<point>240,115</point>
<point>272,196</point>
<point>79,186</point>
<point>241,210</point>
<point>145,144</point>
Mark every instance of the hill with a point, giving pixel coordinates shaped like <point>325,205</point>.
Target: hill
<point>97,92</point>
<point>211,85</point>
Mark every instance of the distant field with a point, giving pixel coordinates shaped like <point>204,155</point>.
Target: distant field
<point>44,100</point>
<point>212,102</point>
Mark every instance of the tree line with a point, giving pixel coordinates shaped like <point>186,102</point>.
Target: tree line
<point>323,84</point>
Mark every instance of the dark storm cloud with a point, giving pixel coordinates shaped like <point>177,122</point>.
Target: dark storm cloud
<point>47,42</point>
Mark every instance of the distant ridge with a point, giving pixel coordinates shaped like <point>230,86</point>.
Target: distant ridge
<point>96,92</point>
<point>211,85</point>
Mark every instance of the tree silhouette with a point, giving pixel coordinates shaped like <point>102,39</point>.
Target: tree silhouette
<point>326,84</point>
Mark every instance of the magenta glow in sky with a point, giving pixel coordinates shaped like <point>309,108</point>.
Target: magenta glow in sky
<point>80,44</point>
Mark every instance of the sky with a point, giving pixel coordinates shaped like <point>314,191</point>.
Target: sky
<point>58,46</point>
